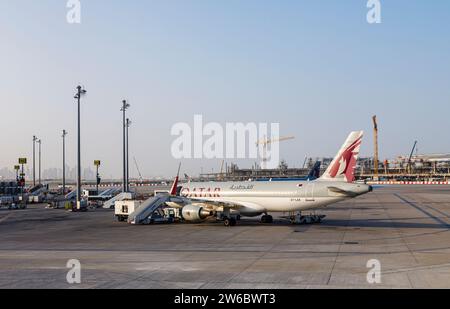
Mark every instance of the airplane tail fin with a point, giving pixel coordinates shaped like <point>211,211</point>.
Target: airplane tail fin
<point>315,171</point>
<point>342,168</point>
<point>174,189</point>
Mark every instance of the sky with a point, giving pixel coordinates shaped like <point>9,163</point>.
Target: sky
<point>316,67</point>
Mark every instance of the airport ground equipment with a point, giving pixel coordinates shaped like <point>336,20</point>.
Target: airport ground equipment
<point>172,213</point>
<point>35,199</point>
<point>120,197</point>
<point>123,209</point>
<point>88,193</point>
<point>11,202</point>
<point>10,188</point>
<point>71,195</point>
<point>63,203</point>
<point>102,197</point>
<point>10,193</point>
<point>145,211</point>
<point>159,216</point>
<point>109,192</point>
<point>300,219</point>
<point>37,194</point>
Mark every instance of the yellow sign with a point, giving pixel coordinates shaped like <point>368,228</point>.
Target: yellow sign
<point>22,160</point>
<point>17,167</point>
<point>97,162</point>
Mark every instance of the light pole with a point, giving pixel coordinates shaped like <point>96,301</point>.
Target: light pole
<point>124,108</point>
<point>128,123</point>
<point>39,142</point>
<point>34,160</point>
<point>97,164</point>
<point>80,92</point>
<point>64,162</point>
<point>22,161</point>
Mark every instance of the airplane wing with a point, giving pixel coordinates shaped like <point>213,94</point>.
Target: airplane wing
<point>180,202</point>
<point>224,204</point>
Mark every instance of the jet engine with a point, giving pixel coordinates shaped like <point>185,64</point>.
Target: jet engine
<point>193,213</point>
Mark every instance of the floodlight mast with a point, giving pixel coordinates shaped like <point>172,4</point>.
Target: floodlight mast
<point>80,92</point>
<point>124,108</point>
<point>64,134</point>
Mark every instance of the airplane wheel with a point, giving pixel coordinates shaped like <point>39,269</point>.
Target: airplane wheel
<point>266,219</point>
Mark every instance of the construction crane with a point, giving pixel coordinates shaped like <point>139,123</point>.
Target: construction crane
<point>221,171</point>
<point>137,167</point>
<point>265,142</point>
<point>304,162</point>
<point>375,139</point>
<point>410,157</point>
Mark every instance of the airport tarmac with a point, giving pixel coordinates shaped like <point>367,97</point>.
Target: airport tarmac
<point>405,228</point>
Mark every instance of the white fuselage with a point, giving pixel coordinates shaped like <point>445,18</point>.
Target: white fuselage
<point>255,198</point>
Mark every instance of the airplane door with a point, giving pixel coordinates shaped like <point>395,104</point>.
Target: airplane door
<point>310,192</point>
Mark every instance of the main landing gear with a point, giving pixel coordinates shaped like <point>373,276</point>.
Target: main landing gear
<point>266,219</point>
<point>229,221</point>
<point>228,218</point>
<point>309,219</point>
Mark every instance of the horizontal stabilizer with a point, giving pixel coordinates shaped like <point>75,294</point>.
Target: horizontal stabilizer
<point>341,191</point>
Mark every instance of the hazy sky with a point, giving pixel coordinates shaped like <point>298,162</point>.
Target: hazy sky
<point>316,67</point>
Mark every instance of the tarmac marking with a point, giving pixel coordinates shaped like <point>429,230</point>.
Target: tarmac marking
<point>6,217</point>
<point>432,208</point>
<point>442,222</point>
<point>418,268</point>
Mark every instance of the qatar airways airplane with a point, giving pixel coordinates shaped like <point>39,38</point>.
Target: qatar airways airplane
<point>229,201</point>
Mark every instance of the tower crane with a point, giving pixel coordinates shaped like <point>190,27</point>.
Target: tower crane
<point>265,142</point>
<point>221,177</point>
<point>137,167</point>
<point>410,158</point>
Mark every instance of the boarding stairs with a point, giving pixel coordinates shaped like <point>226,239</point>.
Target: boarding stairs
<point>120,197</point>
<point>147,208</point>
<point>71,195</point>
<point>37,190</point>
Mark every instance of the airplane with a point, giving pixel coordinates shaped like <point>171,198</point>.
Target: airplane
<point>313,175</point>
<point>229,201</point>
